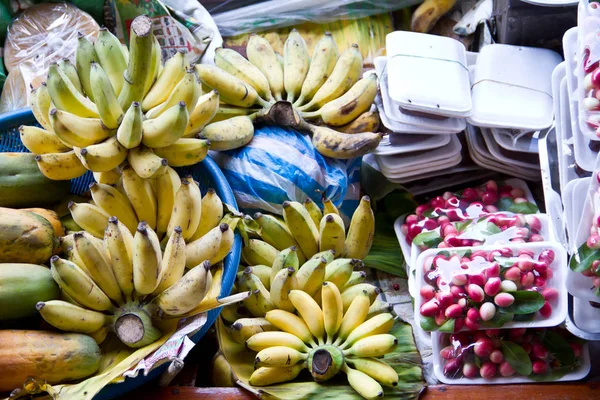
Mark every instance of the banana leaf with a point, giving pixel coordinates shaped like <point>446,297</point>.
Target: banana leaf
<point>405,359</point>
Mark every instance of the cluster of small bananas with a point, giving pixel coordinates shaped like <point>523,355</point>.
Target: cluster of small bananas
<point>92,112</point>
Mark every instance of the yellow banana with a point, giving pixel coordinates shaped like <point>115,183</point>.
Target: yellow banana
<point>112,59</point>
<point>310,312</point>
<point>428,13</point>
<point>129,133</point>
<point>146,260</point>
<point>170,76</point>
<point>172,266</point>
<point>361,231</point>
<point>244,328</point>
<point>366,386</point>
<point>118,242</point>
<point>310,276</point>
<point>40,105</point>
<point>155,65</point>
<point>103,156</point>
<point>354,315</point>
<point>259,302</point>
<point>141,195</point>
<point>206,247</point>
<point>186,208</point>
<point>113,202</point>
<point>296,62</point>
<point>379,307</point>
<point>226,244</point>
<point>263,273</point>
<point>313,210</point>
<point>282,284</point>
<point>185,91</point>
<point>355,278</point>
<point>379,324</point>
<point>261,54</point>
<point>366,122</point>
<point>105,97</point>
<point>302,227</point>
<point>71,318</point>
<point>263,340</point>
<point>265,376</point>
<point>291,323</point>
<point>68,68</point>
<point>334,144</point>
<point>165,187</point>
<point>84,57</point>
<point>333,310</point>
<point>89,217</point>
<point>78,285</point>
<point>203,112</point>
<point>278,356</point>
<point>60,166</point>
<point>77,131</point>
<point>222,374</point>
<point>329,208</point>
<point>233,62</point>
<point>232,90</point>
<point>339,271</point>
<point>229,134</point>
<point>167,128</point>
<point>66,97</point>
<point>346,73</point>
<point>274,231</point>
<point>100,335</point>
<point>146,163</point>
<point>378,370</point>
<point>187,292</point>
<point>373,346</point>
<point>285,259</point>
<point>212,214</point>
<point>41,141</point>
<point>257,252</point>
<point>184,152</point>
<point>323,61</point>
<point>111,177</point>
<point>349,293</point>
<point>332,234</point>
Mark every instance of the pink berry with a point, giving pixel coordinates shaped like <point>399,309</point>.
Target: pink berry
<point>493,254</point>
<point>550,294</point>
<point>513,274</point>
<point>478,279</point>
<point>505,369</point>
<point>538,351</point>
<point>444,299</point>
<point>487,311</point>
<point>457,292</point>
<point>525,264</point>
<point>421,209</point>
<point>546,310</point>
<point>411,219</point>
<point>470,370</point>
<point>496,357</point>
<point>473,314</point>
<point>539,282</point>
<point>440,318</point>
<point>459,279</point>
<point>517,192</point>
<point>453,311</point>
<point>491,208</point>
<point>427,292</point>
<point>429,309</point>
<point>458,324</point>
<point>534,223</point>
<point>488,370</point>
<point>504,300</point>
<point>519,200</point>
<point>546,256</point>
<point>593,242</point>
<point>462,302</point>
<point>475,293</point>
<point>471,325</point>
<point>492,333</point>
<point>493,271</point>
<point>492,286</point>
<point>429,224</point>
<point>442,220</point>
<point>527,280</point>
<point>483,347</point>
<point>491,186</point>
<point>452,367</point>
<point>534,237</point>
<point>447,352</point>
<point>450,229</point>
<point>539,367</point>
<point>489,198</point>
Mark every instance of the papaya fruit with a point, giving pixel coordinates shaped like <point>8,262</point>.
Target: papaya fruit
<point>52,217</point>
<point>25,237</point>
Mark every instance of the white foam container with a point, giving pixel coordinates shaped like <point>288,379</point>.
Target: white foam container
<point>559,306</point>
<point>398,127</point>
<point>395,143</point>
<point>439,174</point>
<point>523,144</point>
<point>586,317</point>
<point>506,97</point>
<point>507,156</point>
<point>438,369</point>
<point>432,170</point>
<point>428,73</point>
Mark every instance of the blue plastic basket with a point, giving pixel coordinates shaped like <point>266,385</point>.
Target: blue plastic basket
<point>207,173</point>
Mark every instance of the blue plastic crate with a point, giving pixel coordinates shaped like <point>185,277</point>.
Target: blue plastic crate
<point>207,173</point>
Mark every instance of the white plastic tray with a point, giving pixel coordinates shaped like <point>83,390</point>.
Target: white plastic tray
<point>508,156</point>
<point>398,127</point>
<point>523,144</point>
<point>432,169</point>
<point>583,14</point>
<point>559,306</point>
<point>438,174</point>
<point>585,316</point>
<point>397,143</point>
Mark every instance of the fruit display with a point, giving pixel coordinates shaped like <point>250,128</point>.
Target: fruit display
<point>537,354</point>
<point>477,289</point>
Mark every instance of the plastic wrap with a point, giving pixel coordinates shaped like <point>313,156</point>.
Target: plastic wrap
<point>14,93</point>
<point>588,69</point>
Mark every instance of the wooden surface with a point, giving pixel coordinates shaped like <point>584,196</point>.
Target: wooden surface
<point>438,392</point>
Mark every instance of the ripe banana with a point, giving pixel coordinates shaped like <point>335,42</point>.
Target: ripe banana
<point>366,386</point>
<point>333,310</point>
<point>353,316</point>
<point>84,57</point>
<point>361,231</point>
<point>165,187</point>
<point>97,264</point>
<point>70,72</point>
<point>278,356</point>
<point>340,145</point>
<point>379,324</point>
<point>310,312</point>
<point>60,166</point>
<point>428,13</point>
<point>339,271</point>
<point>302,227</point>
<point>172,266</point>
<point>261,54</point>
<point>111,177</point>
<point>105,97</point>
<point>329,208</point>
<point>40,105</point>
<point>41,141</point>
<point>378,370</point>
<point>373,346</point>
<point>78,285</point>
<point>112,59</point>
<point>291,323</point>
<point>66,97</point>
<point>232,90</point>
<point>226,244</point>
<point>346,73</point>
<point>141,195</point>
<point>129,133</point>
<point>233,62</point>
<point>187,292</point>
<point>103,156</point>
<point>244,328</point>
<point>285,259</point>
<point>379,307</point>
<point>274,231</point>
<point>118,242</point>
<point>77,131</point>
<point>263,340</point>
<point>310,276</point>
<point>186,208</point>
<point>71,318</point>
<point>222,374</point>
<point>186,91</point>
<point>356,278</point>
<point>282,284</point>
<point>332,234</point>
<point>257,252</point>
<point>167,128</point>
<point>204,111</point>
<point>349,293</point>
<point>184,152</point>
<point>113,202</point>
<point>265,376</point>
<point>146,163</point>
<point>212,214</point>
<point>229,134</point>
<point>366,122</point>
<point>146,260</point>
<point>206,247</point>
<point>155,65</point>
<point>313,210</point>
<point>296,62</point>
<point>263,273</point>
<point>172,73</point>
<point>323,61</point>
<point>89,217</point>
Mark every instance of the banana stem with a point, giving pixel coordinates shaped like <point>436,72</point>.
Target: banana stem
<point>262,102</point>
<point>134,327</point>
<point>310,115</point>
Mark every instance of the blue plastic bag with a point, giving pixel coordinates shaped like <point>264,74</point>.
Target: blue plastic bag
<point>281,164</point>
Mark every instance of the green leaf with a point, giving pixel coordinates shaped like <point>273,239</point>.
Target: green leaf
<point>517,358</point>
<point>428,324</point>
<point>430,213</point>
<point>523,208</point>
<point>524,317</point>
<point>493,228</point>
<point>477,361</point>
<point>461,225</point>
<point>464,253</point>
<point>552,375</point>
<point>504,203</point>
<point>385,254</point>
<point>526,302</point>
<point>558,346</point>
<point>500,318</point>
<point>429,239</point>
<point>444,253</point>
<point>448,326</point>
<point>583,259</point>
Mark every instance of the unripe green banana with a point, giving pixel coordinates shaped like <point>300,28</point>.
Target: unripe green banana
<point>68,68</point>
<point>112,59</point>
<point>84,57</point>
<point>109,109</point>
<point>66,97</point>
<point>129,133</point>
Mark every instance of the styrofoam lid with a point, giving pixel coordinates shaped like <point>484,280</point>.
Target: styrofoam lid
<point>512,87</point>
<point>428,73</point>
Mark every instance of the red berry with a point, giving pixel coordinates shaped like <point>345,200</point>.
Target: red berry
<point>452,367</point>
<point>546,310</point>
<point>539,367</point>
<point>427,291</point>
<point>496,357</point>
<point>505,369</point>
<point>411,219</point>
<point>396,286</point>
<point>471,325</point>
<point>454,311</point>
<point>475,293</point>
<point>492,333</point>
<point>492,286</point>
<point>550,294</point>
<point>444,299</point>
<point>459,323</point>
<point>547,256</point>
<point>430,308</point>
<point>483,347</point>
<point>421,209</point>
<point>447,353</point>
<point>538,351</point>
<point>473,314</point>
<point>488,370</point>
<point>516,333</point>
<point>491,186</point>
<point>489,198</point>
<point>470,370</point>
<point>504,300</point>
<point>477,279</point>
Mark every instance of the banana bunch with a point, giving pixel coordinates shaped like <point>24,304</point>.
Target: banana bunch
<point>325,339</point>
<point>117,105</point>
<point>124,283</point>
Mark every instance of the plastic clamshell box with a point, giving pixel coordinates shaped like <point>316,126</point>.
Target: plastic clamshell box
<point>512,87</point>
<point>394,143</point>
<point>559,307</point>
<point>399,127</point>
<point>522,144</point>
<point>438,368</point>
<point>515,158</point>
<point>428,73</point>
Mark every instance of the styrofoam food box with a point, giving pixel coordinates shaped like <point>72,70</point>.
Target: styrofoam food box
<point>433,168</point>
<point>395,143</point>
<point>523,144</point>
<point>508,156</point>
<point>399,127</point>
